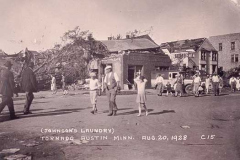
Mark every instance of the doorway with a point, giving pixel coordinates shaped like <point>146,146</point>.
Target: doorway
<point>132,73</point>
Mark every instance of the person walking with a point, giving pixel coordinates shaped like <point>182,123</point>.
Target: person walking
<point>29,85</point>
<point>232,83</point>
<point>215,82</point>
<point>196,84</point>
<point>220,84</point>
<point>159,83</point>
<point>64,86</point>
<point>141,95</point>
<point>111,82</point>
<point>179,86</point>
<point>7,89</point>
<point>207,84</point>
<point>94,86</point>
<point>53,84</point>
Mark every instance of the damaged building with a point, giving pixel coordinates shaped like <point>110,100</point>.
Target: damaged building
<point>197,54</point>
<point>131,56</point>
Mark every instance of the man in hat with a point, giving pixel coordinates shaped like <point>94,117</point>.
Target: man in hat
<point>29,85</point>
<point>111,82</point>
<point>215,82</point>
<point>7,89</point>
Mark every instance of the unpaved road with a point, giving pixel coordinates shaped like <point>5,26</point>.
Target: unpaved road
<point>187,128</point>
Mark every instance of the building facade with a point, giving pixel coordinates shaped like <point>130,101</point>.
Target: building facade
<point>197,54</point>
<point>228,47</point>
<point>134,55</point>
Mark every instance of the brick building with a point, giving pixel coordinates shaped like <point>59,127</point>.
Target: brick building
<point>228,47</point>
<point>131,55</point>
<point>197,54</point>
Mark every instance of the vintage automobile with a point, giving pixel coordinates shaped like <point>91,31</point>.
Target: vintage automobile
<point>170,76</point>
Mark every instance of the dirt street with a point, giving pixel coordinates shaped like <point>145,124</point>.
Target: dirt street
<point>186,128</point>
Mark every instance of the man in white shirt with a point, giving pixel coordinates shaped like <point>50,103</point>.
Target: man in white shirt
<point>197,83</point>
<point>215,82</point>
<point>111,82</point>
<point>233,83</point>
<point>159,83</point>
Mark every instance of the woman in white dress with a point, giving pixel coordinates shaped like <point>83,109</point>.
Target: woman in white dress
<point>141,96</point>
<point>207,84</point>
<point>53,85</point>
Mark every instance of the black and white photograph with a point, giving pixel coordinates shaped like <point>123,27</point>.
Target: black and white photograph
<point>119,79</point>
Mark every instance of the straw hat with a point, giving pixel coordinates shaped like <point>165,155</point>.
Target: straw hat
<point>108,67</point>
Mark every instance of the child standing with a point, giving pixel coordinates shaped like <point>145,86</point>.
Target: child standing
<point>94,85</point>
<point>169,88</point>
<point>141,96</point>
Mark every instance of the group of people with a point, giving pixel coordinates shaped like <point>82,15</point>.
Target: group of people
<point>7,85</point>
<point>112,85</point>
<point>234,83</point>
<point>177,86</point>
<point>54,84</point>
<point>214,82</point>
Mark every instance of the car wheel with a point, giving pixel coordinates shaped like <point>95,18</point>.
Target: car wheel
<point>188,89</point>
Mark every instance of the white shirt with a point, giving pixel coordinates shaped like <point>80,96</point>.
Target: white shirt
<point>140,85</point>
<point>233,79</point>
<point>215,79</point>
<point>208,81</point>
<point>159,79</point>
<point>93,84</point>
<point>109,75</point>
<point>197,80</point>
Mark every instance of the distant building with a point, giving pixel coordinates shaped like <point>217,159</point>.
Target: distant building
<point>228,47</point>
<point>134,55</point>
<point>197,54</point>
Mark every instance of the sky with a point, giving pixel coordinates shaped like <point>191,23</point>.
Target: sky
<point>39,24</point>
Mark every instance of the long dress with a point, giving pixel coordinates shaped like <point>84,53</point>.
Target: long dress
<point>141,96</point>
<point>179,85</point>
<point>207,84</point>
<point>53,84</point>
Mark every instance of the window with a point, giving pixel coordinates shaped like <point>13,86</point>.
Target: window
<point>191,55</point>
<point>232,45</point>
<point>214,56</point>
<point>203,67</point>
<point>234,58</point>
<point>203,55</point>
<point>220,46</point>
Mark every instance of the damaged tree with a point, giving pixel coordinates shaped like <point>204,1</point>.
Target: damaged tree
<point>70,59</point>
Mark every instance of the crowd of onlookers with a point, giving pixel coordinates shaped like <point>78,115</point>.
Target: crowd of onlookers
<point>199,85</point>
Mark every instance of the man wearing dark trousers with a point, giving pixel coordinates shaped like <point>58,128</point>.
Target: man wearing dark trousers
<point>215,81</point>
<point>7,89</point>
<point>111,82</point>
<point>29,85</point>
